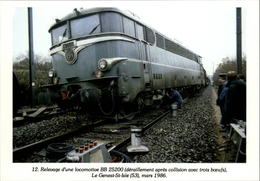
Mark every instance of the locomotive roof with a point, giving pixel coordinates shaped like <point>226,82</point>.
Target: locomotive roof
<point>84,12</point>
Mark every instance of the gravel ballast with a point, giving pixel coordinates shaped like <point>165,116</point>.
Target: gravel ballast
<point>190,137</point>
<point>33,132</point>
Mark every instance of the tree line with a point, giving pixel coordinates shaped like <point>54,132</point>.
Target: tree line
<point>228,64</point>
<point>42,65</point>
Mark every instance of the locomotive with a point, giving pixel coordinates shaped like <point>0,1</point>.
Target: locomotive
<point>109,62</point>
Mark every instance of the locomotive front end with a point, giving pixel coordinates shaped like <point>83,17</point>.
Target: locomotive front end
<point>109,62</point>
<point>86,54</point>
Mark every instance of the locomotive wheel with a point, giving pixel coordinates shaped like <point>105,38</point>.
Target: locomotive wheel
<point>126,112</point>
<point>129,111</point>
<point>130,116</point>
<point>127,116</point>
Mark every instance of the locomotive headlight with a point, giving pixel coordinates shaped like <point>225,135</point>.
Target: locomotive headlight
<point>51,73</point>
<point>102,64</point>
<point>106,64</point>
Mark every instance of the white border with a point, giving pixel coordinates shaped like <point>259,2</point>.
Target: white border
<point>11,171</point>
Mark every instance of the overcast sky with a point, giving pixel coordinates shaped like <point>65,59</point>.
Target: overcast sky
<point>206,28</point>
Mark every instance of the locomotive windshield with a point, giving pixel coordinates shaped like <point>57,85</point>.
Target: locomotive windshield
<point>104,22</point>
<point>85,26</point>
<point>92,24</point>
<point>59,34</point>
<point>78,27</point>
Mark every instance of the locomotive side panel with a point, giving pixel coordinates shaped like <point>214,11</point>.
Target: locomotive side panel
<point>131,80</point>
<point>172,70</point>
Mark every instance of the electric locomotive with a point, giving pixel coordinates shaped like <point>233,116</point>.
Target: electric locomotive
<point>112,64</point>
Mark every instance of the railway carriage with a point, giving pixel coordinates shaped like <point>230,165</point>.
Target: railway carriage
<point>110,62</point>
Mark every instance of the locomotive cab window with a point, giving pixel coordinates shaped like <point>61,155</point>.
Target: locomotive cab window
<point>139,31</point>
<point>59,34</point>
<point>129,27</point>
<point>149,36</point>
<point>111,22</point>
<point>159,41</point>
<point>85,26</point>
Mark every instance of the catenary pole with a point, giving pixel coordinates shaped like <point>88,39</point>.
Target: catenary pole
<point>31,56</point>
<point>239,42</point>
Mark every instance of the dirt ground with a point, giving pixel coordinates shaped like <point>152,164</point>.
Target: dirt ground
<point>226,151</point>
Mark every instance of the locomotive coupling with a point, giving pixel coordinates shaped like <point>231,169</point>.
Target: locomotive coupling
<point>92,96</point>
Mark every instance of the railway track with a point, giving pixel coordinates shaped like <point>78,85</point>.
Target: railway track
<point>117,134</point>
<point>145,128</point>
<point>28,149</point>
<point>36,115</point>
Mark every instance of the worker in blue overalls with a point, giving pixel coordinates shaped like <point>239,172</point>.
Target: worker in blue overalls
<point>175,97</point>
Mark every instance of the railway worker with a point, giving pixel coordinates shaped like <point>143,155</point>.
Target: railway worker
<point>175,97</point>
<point>222,89</point>
<point>235,104</point>
<point>222,82</point>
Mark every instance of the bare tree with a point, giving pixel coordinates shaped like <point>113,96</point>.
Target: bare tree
<point>21,70</point>
<point>228,64</point>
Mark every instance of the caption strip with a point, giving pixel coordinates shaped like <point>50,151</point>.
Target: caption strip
<point>128,172</point>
